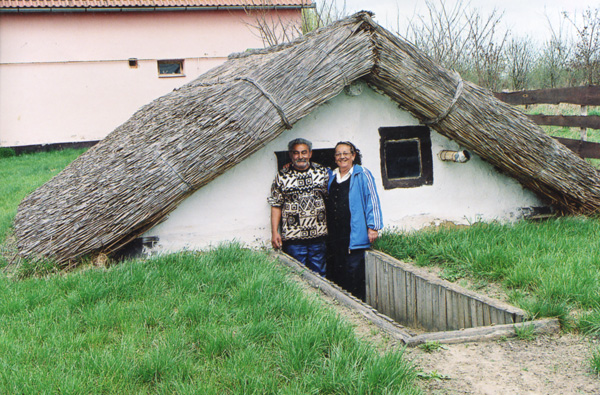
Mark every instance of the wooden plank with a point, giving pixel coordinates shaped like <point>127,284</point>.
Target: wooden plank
<point>495,317</point>
<point>382,290</point>
<point>434,297</point>
<point>392,290</point>
<point>370,286</point>
<point>439,308</point>
<point>411,300</point>
<point>401,295</point>
<point>421,320</point>
<point>378,297</point>
<point>582,95</point>
<point>480,307</point>
<point>487,319</point>
<point>486,333</point>
<point>428,304</point>
<point>584,149</point>
<point>570,121</point>
<point>473,309</point>
<point>452,311</point>
<point>465,311</point>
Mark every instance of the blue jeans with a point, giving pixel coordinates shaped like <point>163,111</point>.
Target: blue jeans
<point>311,255</point>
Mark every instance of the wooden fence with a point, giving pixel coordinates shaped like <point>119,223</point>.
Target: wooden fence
<point>417,299</point>
<point>583,96</point>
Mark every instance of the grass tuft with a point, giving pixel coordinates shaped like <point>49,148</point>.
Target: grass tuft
<point>595,360</point>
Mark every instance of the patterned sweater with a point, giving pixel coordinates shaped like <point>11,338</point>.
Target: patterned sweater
<point>301,196</point>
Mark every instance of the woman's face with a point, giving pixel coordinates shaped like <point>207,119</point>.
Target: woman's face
<point>344,157</point>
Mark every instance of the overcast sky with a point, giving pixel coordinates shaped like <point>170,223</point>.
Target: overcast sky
<point>522,17</point>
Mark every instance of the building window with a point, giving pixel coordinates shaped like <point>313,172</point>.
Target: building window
<point>170,68</point>
<point>406,159</point>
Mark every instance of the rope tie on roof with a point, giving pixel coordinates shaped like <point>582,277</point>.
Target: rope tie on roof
<point>175,172</point>
<point>269,98</point>
<point>459,90</point>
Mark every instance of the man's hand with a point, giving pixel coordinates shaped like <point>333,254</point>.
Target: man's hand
<point>373,235</point>
<point>275,219</point>
<point>276,240</point>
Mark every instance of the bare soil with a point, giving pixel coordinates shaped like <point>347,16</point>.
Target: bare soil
<point>548,364</point>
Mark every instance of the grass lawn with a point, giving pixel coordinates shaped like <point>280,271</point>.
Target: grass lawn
<point>227,321</point>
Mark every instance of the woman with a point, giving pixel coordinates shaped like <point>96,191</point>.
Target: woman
<point>353,219</point>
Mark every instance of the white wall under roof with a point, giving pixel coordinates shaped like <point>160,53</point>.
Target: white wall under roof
<point>234,206</point>
<point>65,77</point>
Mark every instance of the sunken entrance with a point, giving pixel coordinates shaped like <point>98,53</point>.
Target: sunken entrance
<point>414,306</point>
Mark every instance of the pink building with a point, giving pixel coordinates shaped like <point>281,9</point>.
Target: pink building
<point>71,71</point>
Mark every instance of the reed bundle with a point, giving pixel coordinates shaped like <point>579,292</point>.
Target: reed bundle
<point>138,174</point>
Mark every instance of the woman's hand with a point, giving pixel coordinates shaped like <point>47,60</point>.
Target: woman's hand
<point>373,235</point>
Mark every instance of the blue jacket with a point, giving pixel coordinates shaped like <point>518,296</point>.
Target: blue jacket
<point>365,209</point>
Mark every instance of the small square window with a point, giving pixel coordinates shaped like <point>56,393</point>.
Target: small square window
<point>170,68</point>
<point>406,159</point>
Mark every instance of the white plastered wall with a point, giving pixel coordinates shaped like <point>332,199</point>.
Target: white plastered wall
<point>234,206</point>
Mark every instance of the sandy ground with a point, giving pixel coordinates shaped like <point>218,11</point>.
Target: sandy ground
<point>555,364</point>
<point>548,364</point>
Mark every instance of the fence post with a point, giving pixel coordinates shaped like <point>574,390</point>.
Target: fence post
<point>583,131</point>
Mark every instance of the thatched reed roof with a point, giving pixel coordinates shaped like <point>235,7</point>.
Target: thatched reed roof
<point>139,173</point>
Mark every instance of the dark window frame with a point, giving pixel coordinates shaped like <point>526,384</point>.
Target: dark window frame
<point>322,156</point>
<point>180,62</point>
<point>407,133</point>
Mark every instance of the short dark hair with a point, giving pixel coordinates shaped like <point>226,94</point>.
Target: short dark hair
<point>297,141</point>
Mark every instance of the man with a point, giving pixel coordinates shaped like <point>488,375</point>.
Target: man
<point>298,203</point>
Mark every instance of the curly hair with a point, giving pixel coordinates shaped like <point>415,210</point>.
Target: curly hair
<point>354,150</point>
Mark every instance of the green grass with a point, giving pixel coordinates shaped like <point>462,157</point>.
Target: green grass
<point>549,268</point>
<point>21,174</point>
<point>595,360</point>
<point>229,321</point>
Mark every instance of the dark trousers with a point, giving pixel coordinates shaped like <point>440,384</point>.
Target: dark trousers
<point>311,255</point>
<point>347,268</point>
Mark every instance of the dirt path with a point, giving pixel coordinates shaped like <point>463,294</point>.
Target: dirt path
<point>556,364</point>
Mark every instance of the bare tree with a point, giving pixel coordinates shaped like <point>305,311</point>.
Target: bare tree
<point>273,28</point>
<point>554,58</point>
<point>440,34</point>
<point>586,57</point>
<point>270,25</point>
<point>520,58</point>
<point>487,49</point>
<point>460,38</point>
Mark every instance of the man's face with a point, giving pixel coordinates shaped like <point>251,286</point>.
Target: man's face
<point>300,155</point>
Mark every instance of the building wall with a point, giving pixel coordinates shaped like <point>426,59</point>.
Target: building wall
<point>65,77</point>
<point>234,206</point>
